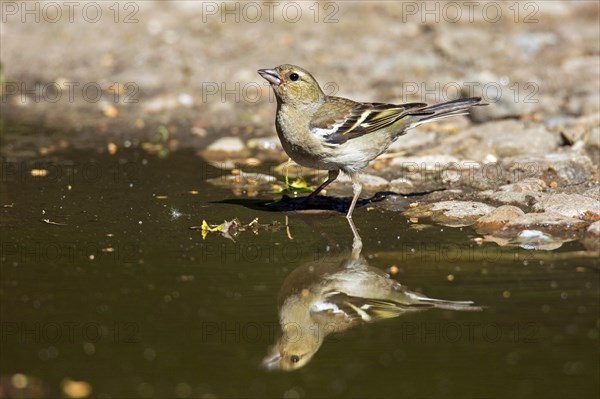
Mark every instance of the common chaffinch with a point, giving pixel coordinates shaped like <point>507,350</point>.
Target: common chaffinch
<point>334,133</point>
<point>333,294</point>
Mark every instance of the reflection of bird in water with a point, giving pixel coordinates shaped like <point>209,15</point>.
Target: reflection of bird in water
<point>336,293</point>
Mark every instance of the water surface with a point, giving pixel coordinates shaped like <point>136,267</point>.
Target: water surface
<point>102,280</point>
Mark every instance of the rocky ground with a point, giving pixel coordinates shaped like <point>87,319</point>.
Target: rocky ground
<point>523,170</point>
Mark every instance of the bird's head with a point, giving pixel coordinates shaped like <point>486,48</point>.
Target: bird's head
<point>294,348</point>
<point>288,358</point>
<point>293,85</point>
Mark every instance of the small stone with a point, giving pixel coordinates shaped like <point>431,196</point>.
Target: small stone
<point>452,213</point>
<point>497,219</point>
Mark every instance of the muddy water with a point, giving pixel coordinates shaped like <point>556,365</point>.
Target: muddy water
<point>103,281</point>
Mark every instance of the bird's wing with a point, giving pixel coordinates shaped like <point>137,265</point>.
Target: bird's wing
<point>357,309</point>
<point>339,119</point>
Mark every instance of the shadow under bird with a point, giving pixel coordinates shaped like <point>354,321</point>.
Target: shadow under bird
<point>336,293</point>
<point>338,134</point>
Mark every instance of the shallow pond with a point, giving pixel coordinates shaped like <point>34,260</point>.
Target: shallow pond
<point>105,280</point>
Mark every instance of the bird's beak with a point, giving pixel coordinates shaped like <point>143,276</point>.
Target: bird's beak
<point>271,75</point>
<point>271,362</point>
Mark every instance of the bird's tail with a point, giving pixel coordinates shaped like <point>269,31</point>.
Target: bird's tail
<point>414,300</point>
<point>448,305</point>
<point>441,111</point>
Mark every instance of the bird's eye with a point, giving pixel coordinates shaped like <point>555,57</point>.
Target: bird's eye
<point>294,358</point>
<point>294,76</point>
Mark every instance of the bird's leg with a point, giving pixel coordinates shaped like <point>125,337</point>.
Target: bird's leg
<point>356,188</point>
<point>333,174</point>
<point>356,242</point>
